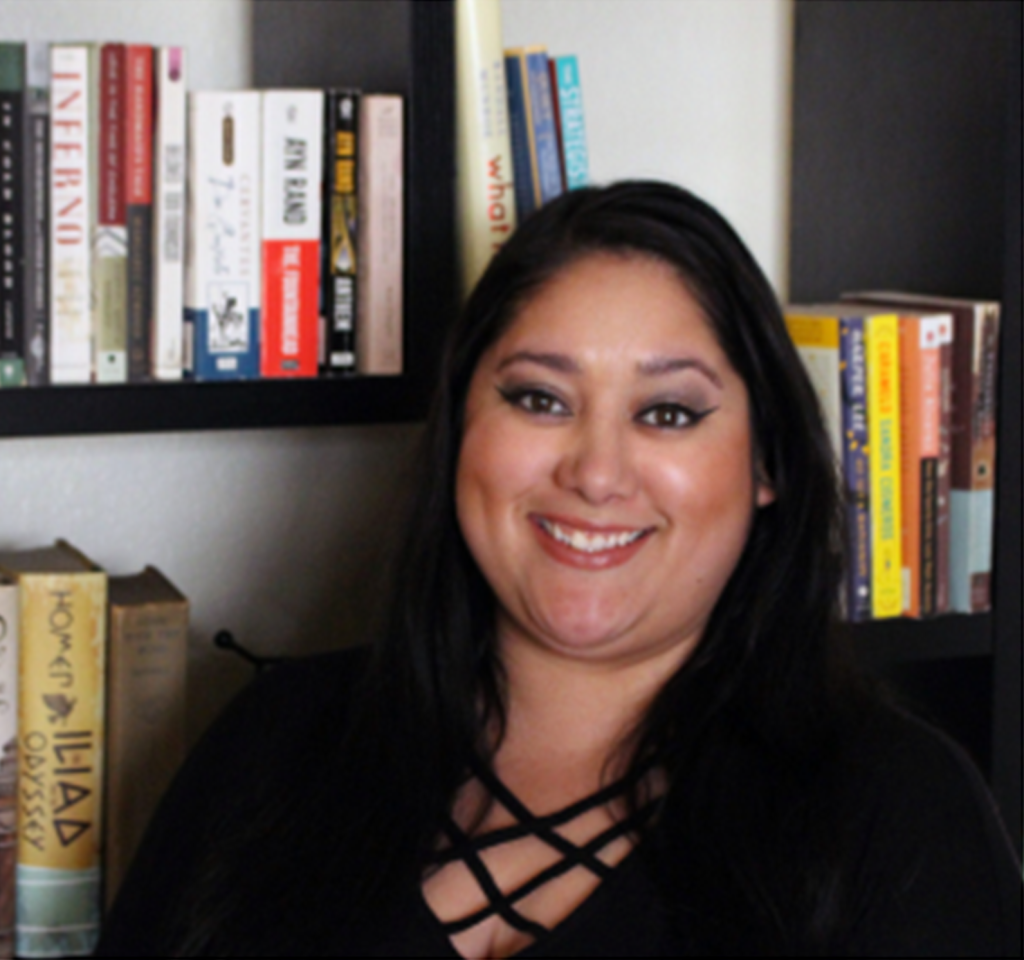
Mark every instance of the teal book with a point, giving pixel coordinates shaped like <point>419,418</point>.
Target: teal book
<point>568,99</point>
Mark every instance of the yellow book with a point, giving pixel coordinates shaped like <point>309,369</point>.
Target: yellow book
<point>883,363</point>
<point>60,772</point>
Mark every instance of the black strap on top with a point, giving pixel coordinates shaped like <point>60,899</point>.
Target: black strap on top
<point>466,848</point>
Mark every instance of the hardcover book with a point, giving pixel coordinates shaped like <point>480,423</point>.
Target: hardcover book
<point>37,214</point>
<point>339,273</point>
<point>146,709</point>
<point>572,131</point>
<point>379,298</point>
<point>486,188</point>
<point>169,153</point>
<point>13,173</point>
<point>222,267</point>
<point>292,124</point>
<point>110,267</point>
<point>61,736</point>
<point>73,69</point>
<point>524,174</point>
<point>9,617</point>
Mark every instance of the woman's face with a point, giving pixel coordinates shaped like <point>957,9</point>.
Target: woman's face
<point>606,483</point>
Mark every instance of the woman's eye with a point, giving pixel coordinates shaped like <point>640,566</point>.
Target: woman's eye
<point>539,402</point>
<point>669,416</point>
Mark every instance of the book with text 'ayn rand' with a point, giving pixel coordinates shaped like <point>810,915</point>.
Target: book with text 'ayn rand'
<point>9,620</point>
<point>223,288</point>
<point>975,351</point>
<point>63,599</point>
<point>292,133</point>
<point>146,709</point>
<point>485,189</point>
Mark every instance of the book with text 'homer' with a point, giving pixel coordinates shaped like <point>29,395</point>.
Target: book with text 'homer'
<point>146,709</point>
<point>63,598</point>
<point>223,288</point>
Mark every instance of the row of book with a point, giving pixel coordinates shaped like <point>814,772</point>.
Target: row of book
<point>152,233</point>
<point>907,385</point>
<point>520,131</point>
<point>92,729</point>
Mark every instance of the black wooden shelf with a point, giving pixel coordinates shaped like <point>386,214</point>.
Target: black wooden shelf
<point>881,643</point>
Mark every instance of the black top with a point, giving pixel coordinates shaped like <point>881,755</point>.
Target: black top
<point>923,804</point>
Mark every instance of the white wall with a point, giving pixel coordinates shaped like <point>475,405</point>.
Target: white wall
<point>274,533</point>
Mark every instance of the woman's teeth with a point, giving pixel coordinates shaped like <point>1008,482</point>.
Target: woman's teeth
<point>590,542</point>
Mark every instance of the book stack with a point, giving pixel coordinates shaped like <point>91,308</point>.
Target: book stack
<point>92,728</point>
<point>906,384</point>
<point>520,132</point>
<point>154,234</point>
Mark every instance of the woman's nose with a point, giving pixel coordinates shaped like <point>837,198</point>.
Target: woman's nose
<point>597,463</point>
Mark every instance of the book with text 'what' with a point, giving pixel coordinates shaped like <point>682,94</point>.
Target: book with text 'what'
<point>223,252</point>
<point>292,131</point>
<point>63,599</point>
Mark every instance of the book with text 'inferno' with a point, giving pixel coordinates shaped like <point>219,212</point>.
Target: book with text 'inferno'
<point>63,598</point>
<point>292,132</point>
<point>223,251</point>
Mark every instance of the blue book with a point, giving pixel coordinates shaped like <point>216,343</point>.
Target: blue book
<point>544,147</point>
<point>527,198</point>
<point>568,94</point>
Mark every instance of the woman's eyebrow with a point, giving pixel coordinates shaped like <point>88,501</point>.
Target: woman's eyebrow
<point>662,365</point>
<point>553,361</point>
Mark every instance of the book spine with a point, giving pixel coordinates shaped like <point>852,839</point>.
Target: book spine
<point>339,274</point>
<point>138,170</point>
<point>884,432</point>
<point>171,80</point>
<point>110,276</point>
<point>292,126</point>
<point>568,90</point>
<point>486,187</point>
<point>145,723</point>
<point>543,134</point>
<point>379,297</point>
<point>71,214</point>
<point>816,339</point>
<point>523,177</point>
<point>222,268</point>
<point>37,214</point>
<point>945,472</point>
<point>60,784</point>
<point>9,617</point>
<point>12,232</point>
<point>856,468</point>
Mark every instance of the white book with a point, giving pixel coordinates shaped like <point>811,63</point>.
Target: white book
<point>222,266</point>
<point>72,210</point>
<point>379,294</point>
<point>169,164</point>
<point>293,131</point>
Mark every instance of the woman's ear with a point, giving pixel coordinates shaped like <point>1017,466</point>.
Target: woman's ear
<point>764,492</point>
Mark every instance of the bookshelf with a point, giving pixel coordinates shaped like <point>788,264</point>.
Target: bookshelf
<point>400,47</point>
<point>907,174</point>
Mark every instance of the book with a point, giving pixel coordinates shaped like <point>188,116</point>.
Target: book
<point>972,439</point>
<point>883,369</point>
<point>830,341</point>
<point>222,263</point>
<point>138,169</point>
<point>13,173</point>
<point>569,122</point>
<point>73,69</point>
<point>339,272</point>
<point>379,298</point>
<point>60,736</point>
<point>292,131</point>
<point>110,264</point>
<point>9,617</point>
<point>170,81</point>
<point>37,213</point>
<point>524,175</point>
<point>146,709</point>
<point>531,110</point>
<point>485,195</point>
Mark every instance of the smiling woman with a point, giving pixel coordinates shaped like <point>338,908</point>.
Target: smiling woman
<point>610,713</point>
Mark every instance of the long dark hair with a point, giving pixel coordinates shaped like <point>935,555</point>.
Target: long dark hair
<point>745,729</point>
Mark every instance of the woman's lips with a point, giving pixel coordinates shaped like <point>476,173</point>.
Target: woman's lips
<point>586,545</point>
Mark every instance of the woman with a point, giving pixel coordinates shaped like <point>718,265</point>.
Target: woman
<point>609,713</point>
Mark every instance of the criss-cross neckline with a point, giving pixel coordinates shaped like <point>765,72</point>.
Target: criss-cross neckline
<point>466,848</point>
